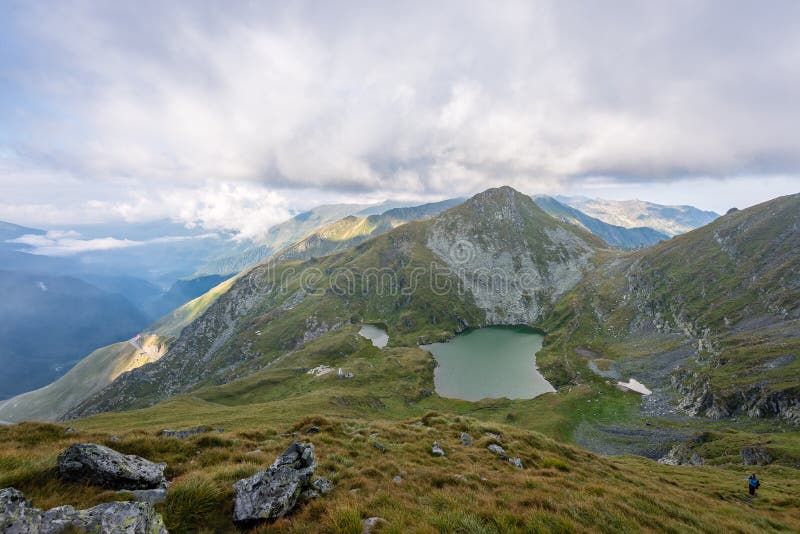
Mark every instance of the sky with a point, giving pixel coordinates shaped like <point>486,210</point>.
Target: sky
<point>235,115</point>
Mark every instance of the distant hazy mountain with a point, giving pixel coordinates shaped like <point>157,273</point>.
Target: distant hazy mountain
<point>617,236</point>
<point>47,323</point>
<point>671,220</point>
<point>305,224</point>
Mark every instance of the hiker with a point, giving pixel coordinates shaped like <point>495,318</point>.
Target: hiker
<point>753,484</point>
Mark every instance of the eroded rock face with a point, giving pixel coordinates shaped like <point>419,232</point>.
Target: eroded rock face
<point>681,454</point>
<point>18,516</point>
<point>273,492</point>
<point>756,455</point>
<point>107,468</point>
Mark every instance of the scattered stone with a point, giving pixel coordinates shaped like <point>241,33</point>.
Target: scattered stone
<point>466,439</point>
<point>516,462</point>
<point>70,430</point>
<point>257,451</point>
<point>18,516</point>
<point>114,439</point>
<point>183,434</point>
<point>320,370</point>
<point>493,436</point>
<point>437,450</point>
<point>756,455</point>
<point>151,496</point>
<point>379,446</point>
<point>418,423</point>
<point>460,477</point>
<point>397,479</point>
<point>313,430</point>
<point>322,485</point>
<point>374,435</point>
<point>371,525</point>
<point>107,468</point>
<point>681,454</point>
<point>497,449</point>
<point>273,492</point>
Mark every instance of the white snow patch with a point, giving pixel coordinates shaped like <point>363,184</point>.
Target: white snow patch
<point>634,385</point>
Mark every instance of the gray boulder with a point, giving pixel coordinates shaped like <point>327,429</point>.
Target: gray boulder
<point>107,518</point>
<point>437,450</point>
<point>107,468</point>
<point>756,455</point>
<point>18,516</point>
<point>466,439</point>
<point>498,450</point>
<point>273,492</point>
<point>516,462</point>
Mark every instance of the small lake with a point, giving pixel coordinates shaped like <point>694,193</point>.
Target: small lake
<point>490,362</point>
<point>377,335</point>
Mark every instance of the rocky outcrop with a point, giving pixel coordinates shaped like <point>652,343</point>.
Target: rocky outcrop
<point>681,454</point>
<point>513,258</point>
<point>756,455</point>
<point>18,516</point>
<point>107,468</point>
<point>699,398</point>
<point>273,492</point>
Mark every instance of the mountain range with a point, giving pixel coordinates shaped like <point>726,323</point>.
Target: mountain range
<point>707,320</point>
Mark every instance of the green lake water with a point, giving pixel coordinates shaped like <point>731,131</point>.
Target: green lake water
<point>490,362</point>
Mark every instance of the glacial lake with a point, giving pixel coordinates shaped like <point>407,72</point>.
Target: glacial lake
<point>377,335</point>
<point>491,362</point>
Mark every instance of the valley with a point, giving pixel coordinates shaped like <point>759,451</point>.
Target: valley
<point>343,342</point>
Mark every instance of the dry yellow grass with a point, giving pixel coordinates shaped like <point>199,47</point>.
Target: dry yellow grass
<point>561,489</point>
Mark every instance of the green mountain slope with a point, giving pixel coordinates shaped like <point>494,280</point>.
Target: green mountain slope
<point>562,488</point>
<point>102,366</point>
<point>424,280</point>
<point>48,322</point>
<point>710,318</point>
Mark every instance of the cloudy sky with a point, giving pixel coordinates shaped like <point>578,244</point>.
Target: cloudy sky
<point>235,114</point>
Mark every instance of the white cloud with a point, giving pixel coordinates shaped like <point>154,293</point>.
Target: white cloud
<point>228,117</point>
<point>68,243</point>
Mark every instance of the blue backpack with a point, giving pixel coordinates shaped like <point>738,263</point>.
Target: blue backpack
<point>753,482</point>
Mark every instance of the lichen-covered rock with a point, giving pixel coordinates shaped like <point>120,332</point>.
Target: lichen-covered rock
<point>756,455</point>
<point>17,514</point>
<point>681,454</point>
<point>437,450</point>
<point>466,439</point>
<point>497,449</point>
<point>106,518</point>
<point>152,496</point>
<point>273,492</point>
<point>105,467</point>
